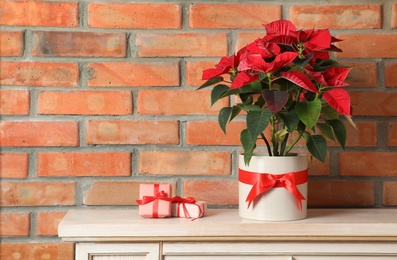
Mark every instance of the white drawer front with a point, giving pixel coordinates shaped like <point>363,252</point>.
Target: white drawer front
<point>344,257</point>
<point>107,251</point>
<point>118,257</point>
<point>268,257</point>
<point>281,251</point>
<point>227,257</point>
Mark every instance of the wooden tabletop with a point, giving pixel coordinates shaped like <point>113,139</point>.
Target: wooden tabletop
<point>226,224</point>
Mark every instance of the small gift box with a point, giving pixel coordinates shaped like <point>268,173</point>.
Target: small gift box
<point>188,208</point>
<point>154,200</point>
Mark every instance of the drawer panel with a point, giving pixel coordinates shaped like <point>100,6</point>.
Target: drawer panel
<point>344,257</point>
<point>118,257</point>
<point>112,251</point>
<point>276,257</point>
<point>227,257</point>
<point>299,250</point>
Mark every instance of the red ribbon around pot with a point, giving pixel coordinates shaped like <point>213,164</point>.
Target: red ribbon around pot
<point>262,182</point>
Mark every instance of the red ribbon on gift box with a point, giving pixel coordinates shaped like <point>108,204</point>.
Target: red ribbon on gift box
<point>262,182</point>
<point>183,201</point>
<point>158,195</point>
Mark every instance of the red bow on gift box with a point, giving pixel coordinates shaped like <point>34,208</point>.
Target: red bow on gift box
<point>183,202</point>
<point>161,195</point>
<point>262,182</point>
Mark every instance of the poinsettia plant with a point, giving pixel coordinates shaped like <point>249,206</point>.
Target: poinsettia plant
<point>285,81</point>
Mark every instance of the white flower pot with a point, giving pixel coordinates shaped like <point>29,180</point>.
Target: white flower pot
<point>281,202</point>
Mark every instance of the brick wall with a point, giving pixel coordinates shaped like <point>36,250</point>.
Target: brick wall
<point>97,97</point>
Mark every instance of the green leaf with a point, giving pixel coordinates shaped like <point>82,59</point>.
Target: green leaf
<point>257,121</point>
<point>248,146</point>
<point>339,131</point>
<point>223,117</point>
<point>317,146</point>
<point>236,91</point>
<point>256,85</point>
<point>302,62</point>
<point>326,64</point>
<point>309,112</point>
<point>301,126</point>
<point>217,93</point>
<point>248,100</point>
<point>327,130</point>
<point>290,120</point>
<point>280,135</point>
<point>235,111</point>
<point>329,112</point>
<point>211,82</point>
<point>249,107</point>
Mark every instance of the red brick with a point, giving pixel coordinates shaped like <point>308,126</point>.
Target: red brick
<point>14,102</point>
<point>362,74</point>
<point>181,44</point>
<point>47,223</point>
<point>367,164</point>
<point>392,134</point>
<point>236,16</point>
<point>44,74</point>
<point>391,75</point>
<point>210,133</point>
<point>29,250</point>
<point>341,193</point>
<point>14,224</point>
<point>390,193</point>
<point>84,164</point>
<point>337,16</point>
<point>85,102</point>
<point>365,134</point>
<point>317,168</point>
<point>112,193</point>
<point>394,16</point>
<point>123,74</point>
<point>135,15</point>
<point>194,71</point>
<point>244,38</point>
<point>11,43</point>
<point>39,13</point>
<point>374,103</point>
<point>37,193</point>
<point>14,165</point>
<point>85,44</point>
<point>367,46</point>
<point>184,102</point>
<point>132,132</point>
<point>102,193</point>
<point>215,192</point>
<point>39,134</point>
<point>185,163</point>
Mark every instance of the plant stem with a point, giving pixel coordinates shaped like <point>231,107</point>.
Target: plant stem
<point>267,144</point>
<point>293,143</point>
<point>269,80</point>
<point>274,141</point>
<point>284,144</point>
<point>298,95</point>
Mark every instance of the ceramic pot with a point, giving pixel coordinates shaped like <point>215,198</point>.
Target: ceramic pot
<point>273,188</point>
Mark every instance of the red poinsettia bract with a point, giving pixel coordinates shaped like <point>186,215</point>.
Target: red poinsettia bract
<point>297,82</point>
